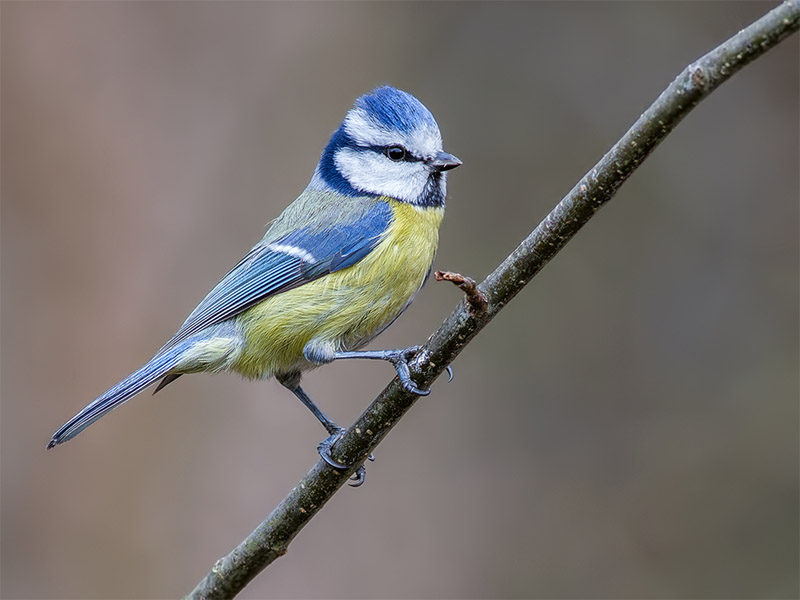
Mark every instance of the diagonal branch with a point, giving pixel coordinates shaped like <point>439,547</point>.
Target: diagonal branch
<point>271,538</point>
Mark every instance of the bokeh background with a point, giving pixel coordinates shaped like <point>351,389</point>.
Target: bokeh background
<point>627,427</point>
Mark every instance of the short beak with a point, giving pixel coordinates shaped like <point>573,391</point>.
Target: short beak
<point>444,161</point>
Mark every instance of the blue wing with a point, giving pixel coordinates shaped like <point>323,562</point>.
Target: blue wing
<point>298,257</point>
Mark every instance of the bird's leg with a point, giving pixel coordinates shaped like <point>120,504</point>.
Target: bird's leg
<point>399,358</point>
<point>320,353</point>
<point>332,428</point>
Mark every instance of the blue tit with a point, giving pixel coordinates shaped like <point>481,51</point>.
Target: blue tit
<point>336,268</point>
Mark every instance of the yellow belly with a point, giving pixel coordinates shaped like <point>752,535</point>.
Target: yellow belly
<point>346,308</point>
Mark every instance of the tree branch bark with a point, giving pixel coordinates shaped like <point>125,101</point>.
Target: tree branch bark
<point>271,538</point>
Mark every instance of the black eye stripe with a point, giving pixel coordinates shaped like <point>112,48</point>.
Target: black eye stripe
<point>409,157</point>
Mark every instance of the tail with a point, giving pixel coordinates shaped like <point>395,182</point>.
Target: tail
<point>124,390</point>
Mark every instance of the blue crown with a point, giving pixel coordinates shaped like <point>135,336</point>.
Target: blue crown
<point>395,109</point>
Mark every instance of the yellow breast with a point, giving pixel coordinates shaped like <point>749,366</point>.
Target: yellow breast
<point>346,308</point>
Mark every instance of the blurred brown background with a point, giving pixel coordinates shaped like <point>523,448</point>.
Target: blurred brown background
<point>628,427</point>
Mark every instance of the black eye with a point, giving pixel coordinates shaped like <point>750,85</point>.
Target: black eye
<point>395,152</point>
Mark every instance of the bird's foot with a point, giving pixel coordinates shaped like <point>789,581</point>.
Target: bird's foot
<point>400,358</point>
<point>325,446</point>
<point>324,449</point>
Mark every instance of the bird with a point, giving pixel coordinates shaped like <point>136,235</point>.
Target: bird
<point>334,270</point>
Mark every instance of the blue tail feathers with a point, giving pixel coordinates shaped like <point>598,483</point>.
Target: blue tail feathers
<point>134,383</point>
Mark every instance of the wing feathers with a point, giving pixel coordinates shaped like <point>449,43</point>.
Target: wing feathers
<point>296,258</point>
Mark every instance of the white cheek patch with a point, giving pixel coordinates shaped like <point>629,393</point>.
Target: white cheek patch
<point>372,172</point>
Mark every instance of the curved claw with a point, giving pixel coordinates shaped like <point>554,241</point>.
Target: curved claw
<point>410,387</point>
<point>449,370</point>
<point>400,362</point>
<point>358,478</point>
<point>324,450</point>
